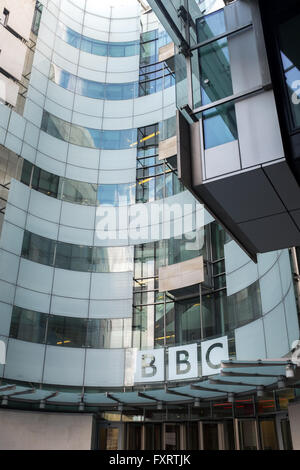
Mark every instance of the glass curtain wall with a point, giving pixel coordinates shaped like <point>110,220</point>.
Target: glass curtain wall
<point>192,317</point>
<point>156,179</point>
<point>154,75</point>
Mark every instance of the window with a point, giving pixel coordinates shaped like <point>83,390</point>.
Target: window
<point>79,192</point>
<point>38,249</point>
<point>219,125</point>
<point>288,39</point>
<point>27,325</point>
<point>87,137</point>
<point>154,75</point>
<point>156,178</point>
<point>66,331</point>
<point>45,182</point>
<point>76,257</point>
<point>57,330</point>
<point>96,47</point>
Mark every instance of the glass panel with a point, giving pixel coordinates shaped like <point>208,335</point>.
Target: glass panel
<point>48,183</point>
<point>75,332</point>
<point>153,435</point>
<point>126,194</point>
<point>79,192</point>
<point>219,125</point>
<point>288,37</point>
<point>26,172</point>
<point>229,436</point>
<point>67,331</point>
<point>55,126</point>
<point>247,433</point>
<point>215,71</point>
<point>172,437</point>
<point>88,137</point>
<point>267,404</point>
<point>284,397</point>
<point>210,436</point>
<point>90,89</point>
<point>210,26</point>
<point>38,249</point>
<point>27,325</point>
<point>97,47</point>
<point>55,332</point>
<point>286,434</point>
<point>108,195</point>
<point>244,407</point>
<point>108,438</point>
<point>134,437</point>
<point>188,321</point>
<point>192,436</point>
<point>268,434</point>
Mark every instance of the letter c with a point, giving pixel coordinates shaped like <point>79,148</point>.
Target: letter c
<point>207,356</point>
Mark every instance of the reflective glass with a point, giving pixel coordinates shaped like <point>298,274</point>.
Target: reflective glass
<point>76,257</point>
<point>73,257</point>
<point>45,182</point>
<point>219,125</point>
<point>215,71</point>
<point>66,331</point>
<point>210,26</point>
<point>88,137</point>
<point>79,192</point>
<point>288,37</point>
<point>97,47</point>
<point>108,194</point>
<point>105,333</point>
<point>27,325</point>
<point>26,172</point>
<point>188,321</point>
<point>38,249</point>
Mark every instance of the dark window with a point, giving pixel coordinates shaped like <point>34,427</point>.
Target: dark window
<point>27,325</point>
<point>289,49</point>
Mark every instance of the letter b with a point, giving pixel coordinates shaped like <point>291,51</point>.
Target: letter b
<point>182,360</point>
<point>148,361</point>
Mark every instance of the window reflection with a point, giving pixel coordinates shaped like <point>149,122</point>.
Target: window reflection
<point>75,191</point>
<point>154,75</point>
<point>288,37</point>
<point>88,137</point>
<point>219,125</point>
<point>95,46</point>
<point>76,257</point>
<point>56,330</point>
<point>92,89</point>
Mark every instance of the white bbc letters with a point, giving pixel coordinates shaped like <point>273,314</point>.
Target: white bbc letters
<point>212,353</point>
<point>183,362</point>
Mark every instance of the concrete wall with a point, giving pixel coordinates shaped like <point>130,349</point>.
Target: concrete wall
<point>294,417</point>
<point>26,430</point>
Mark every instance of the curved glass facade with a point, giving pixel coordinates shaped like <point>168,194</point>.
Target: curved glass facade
<point>78,309</point>
<point>95,46</point>
<point>87,137</point>
<point>55,330</point>
<point>77,192</point>
<point>93,89</point>
<point>75,257</point>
